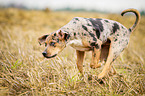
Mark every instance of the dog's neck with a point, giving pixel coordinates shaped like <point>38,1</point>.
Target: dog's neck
<point>71,37</point>
<point>75,41</point>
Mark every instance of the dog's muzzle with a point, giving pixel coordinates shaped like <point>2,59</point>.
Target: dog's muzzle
<point>45,55</point>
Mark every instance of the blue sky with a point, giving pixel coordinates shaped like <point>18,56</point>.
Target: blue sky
<point>101,5</point>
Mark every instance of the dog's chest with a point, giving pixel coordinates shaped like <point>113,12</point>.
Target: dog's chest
<point>78,45</point>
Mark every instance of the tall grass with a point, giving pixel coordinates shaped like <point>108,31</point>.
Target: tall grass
<point>24,71</point>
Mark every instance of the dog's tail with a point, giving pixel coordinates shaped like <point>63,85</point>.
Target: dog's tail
<point>137,17</point>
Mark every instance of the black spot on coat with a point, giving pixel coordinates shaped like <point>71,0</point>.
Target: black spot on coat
<point>92,44</point>
<point>74,34</point>
<point>84,27</point>
<point>99,19</point>
<point>97,23</point>
<point>115,27</point>
<point>67,36</point>
<point>97,32</point>
<point>89,24</point>
<point>95,45</point>
<point>57,40</point>
<point>122,27</point>
<point>106,21</point>
<point>98,26</point>
<point>77,19</point>
<point>129,30</point>
<point>74,22</point>
<point>115,40</point>
<point>52,44</point>
<point>93,36</point>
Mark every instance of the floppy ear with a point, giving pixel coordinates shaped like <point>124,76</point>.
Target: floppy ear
<point>42,39</point>
<point>63,35</point>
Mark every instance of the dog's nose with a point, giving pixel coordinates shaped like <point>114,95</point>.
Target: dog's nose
<point>44,53</point>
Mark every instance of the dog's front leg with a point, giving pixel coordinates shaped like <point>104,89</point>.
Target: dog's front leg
<point>95,58</point>
<point>80,57</point>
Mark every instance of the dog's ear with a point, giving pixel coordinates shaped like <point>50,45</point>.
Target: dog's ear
<point>63,35</point>
<point>42,39</point>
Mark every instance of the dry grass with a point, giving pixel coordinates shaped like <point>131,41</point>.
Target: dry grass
<point>24,71</point>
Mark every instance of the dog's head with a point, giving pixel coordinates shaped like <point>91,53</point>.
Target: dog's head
<point>54,43</point>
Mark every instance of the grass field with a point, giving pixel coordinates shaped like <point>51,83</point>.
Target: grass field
<point>24,71</point>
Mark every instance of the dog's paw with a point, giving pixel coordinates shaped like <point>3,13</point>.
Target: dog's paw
<point>111,73</point>
<point>94,66</point>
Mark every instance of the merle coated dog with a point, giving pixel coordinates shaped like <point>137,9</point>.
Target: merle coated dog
<point>105,38</point>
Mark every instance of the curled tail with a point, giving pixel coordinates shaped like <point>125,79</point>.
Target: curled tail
<point>137,17</point>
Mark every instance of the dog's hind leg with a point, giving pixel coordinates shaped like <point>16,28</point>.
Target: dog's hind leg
<point>116,47</point>
<point>107,65</point>
<point>80,57</point>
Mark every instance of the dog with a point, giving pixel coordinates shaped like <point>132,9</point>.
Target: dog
<point>105,38</point>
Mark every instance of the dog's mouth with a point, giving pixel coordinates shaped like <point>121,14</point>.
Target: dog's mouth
<point>50,56</point>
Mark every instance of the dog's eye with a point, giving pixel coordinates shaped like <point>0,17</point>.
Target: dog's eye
<point>45,44</point>
<point>52,44</point>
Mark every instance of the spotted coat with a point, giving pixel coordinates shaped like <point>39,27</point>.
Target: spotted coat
<point>93,31</point>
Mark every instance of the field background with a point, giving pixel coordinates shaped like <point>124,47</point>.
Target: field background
<point>24,71</point>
